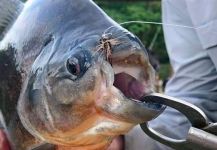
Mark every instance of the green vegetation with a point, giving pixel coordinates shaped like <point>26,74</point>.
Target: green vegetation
<point>165,71</point>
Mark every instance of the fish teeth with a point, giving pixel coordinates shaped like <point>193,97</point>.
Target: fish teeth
<point>133,71</point>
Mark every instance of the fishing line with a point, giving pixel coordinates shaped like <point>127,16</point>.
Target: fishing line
<point>159,23</point>
<point>105,33</point>
<point>152,22</point>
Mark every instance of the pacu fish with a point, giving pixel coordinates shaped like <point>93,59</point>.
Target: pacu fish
<point>70,75</point>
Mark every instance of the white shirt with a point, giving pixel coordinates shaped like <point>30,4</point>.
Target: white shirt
<point>193,56</point>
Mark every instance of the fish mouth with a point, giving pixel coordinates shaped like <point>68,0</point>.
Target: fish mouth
<point>133,79</point>
<point>133,76</point>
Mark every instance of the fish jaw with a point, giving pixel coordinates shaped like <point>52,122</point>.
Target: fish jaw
<point>121,100</point>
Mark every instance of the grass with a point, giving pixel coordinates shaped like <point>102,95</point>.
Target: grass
<point>165,71</point>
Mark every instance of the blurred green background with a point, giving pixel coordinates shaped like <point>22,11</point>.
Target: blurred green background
<point>151,35</point>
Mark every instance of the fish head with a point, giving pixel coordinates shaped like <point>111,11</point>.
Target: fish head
<point>83,96</point>
<point>86,84</point>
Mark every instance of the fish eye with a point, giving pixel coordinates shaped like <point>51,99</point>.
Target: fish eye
<point>78,64</point>
<point>73,66</point>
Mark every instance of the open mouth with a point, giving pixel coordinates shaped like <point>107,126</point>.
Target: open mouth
<point>133,81</point>
<point>134,77</point>
<point>129,86</point>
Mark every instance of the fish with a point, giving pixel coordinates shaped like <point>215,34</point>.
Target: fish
<point>70,75</point>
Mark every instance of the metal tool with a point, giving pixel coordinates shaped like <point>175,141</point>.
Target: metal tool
<point>201,136</point>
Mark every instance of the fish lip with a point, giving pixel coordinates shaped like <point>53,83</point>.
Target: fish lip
<point>155,107</point>
<point>127,53</point>
<point>130,110</point>
<point>151,105</point>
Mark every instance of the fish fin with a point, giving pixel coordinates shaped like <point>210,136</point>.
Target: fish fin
<point>9,11</point>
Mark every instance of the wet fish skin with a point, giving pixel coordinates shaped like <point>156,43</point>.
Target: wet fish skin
<point>56,105</point>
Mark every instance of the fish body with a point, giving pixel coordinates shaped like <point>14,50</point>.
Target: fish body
<point>73,76</point>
